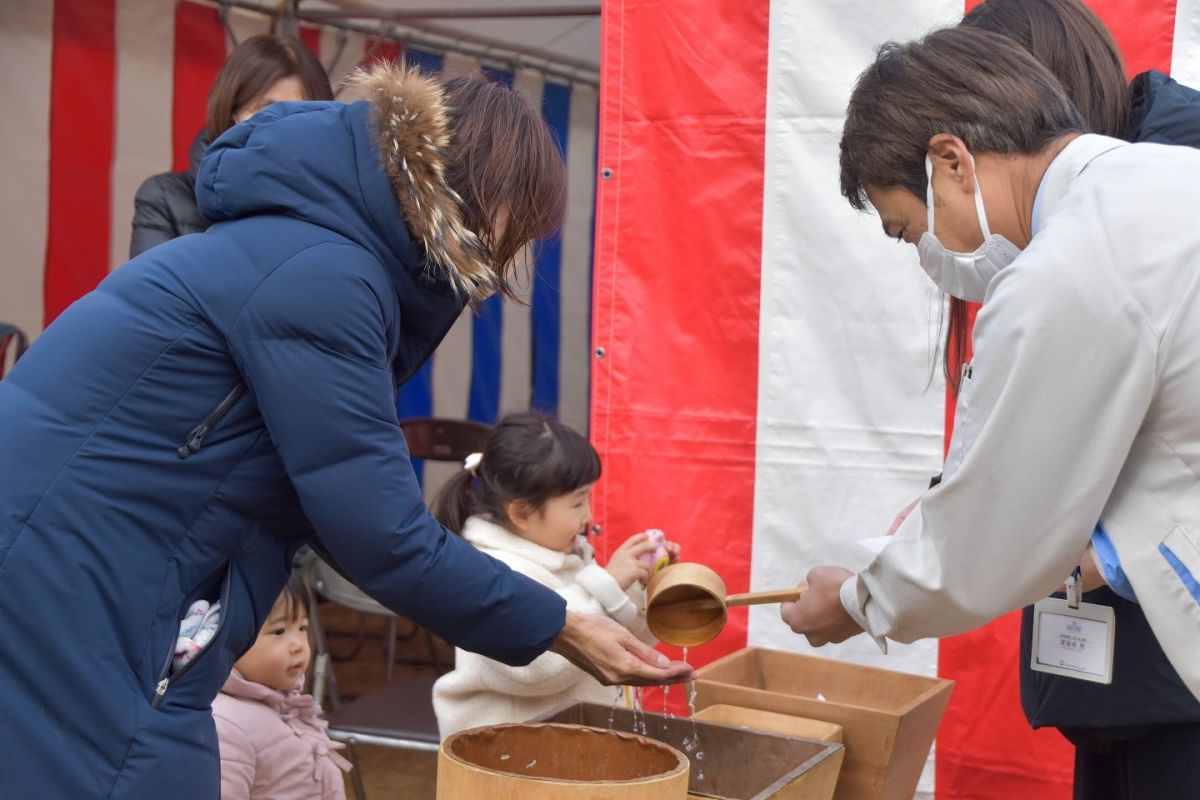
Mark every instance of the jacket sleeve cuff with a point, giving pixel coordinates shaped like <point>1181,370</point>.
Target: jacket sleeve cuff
<point>1104,554</point>
<point>855,596</point>
<point>604,587</point>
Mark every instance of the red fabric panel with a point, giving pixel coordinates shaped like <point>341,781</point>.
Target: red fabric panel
<point>83,77</point>
<point>199,54</point>
<point>1144,30</point>
<point>311,37</point>
<point>380,50</point>
<point>677,269</point>
<point>985,746</point>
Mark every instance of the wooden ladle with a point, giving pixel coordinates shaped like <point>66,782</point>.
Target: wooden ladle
<point>686,603</point>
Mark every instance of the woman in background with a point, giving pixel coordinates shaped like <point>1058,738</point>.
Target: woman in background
<point>262,70</point>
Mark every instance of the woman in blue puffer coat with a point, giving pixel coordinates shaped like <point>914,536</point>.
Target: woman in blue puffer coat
<point>228,396</point>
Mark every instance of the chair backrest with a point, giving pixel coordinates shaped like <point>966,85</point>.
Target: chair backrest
<point>441,439</point>
<point>10,334</point>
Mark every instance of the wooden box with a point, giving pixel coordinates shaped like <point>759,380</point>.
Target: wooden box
<point>737,763</point>
<point>889,718</point>
<point>771,722</point>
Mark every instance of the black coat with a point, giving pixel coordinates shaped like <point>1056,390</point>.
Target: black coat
<point>165,205</point>
<point>1163,111</point>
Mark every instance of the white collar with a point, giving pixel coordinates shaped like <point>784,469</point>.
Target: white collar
<point>483,532</point>
<point>1066,166</point>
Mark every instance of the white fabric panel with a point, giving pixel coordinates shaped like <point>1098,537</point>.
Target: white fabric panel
<point>341,52</point>
<point>26,37</point>
<point>1185,52</point>
<point>245,24</point>
<point>516,349</point>
<point>848,429</point>
<point>142,135</point>
<point>457,64</point>
<point>574,358</point>
<point>452,362</point>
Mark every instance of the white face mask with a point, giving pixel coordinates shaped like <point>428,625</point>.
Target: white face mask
<point>963,275</point>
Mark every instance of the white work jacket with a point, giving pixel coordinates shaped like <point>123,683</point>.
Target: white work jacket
<point>1082,404</point>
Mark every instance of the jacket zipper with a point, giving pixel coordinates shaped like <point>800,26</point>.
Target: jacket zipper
<point>195,437</point>
<point>165,681</point>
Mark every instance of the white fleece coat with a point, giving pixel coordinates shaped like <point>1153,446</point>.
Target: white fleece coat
<point>1083,404</point>
<point>481,691</point>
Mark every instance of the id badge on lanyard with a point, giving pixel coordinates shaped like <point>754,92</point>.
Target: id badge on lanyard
<point>1073,638</point>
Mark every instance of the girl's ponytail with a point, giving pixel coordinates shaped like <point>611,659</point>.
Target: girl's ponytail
<point>456,501</point>
<point>528,458</point>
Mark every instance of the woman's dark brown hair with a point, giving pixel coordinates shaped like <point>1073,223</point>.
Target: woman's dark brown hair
<point>528,457</point>
<point>1067,38</point>
<point>506,166</point>
<point>979,86</point>
<point>255,66</point>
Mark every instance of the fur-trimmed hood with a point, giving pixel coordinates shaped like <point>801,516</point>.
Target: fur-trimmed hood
<point>373,171</point>
<point>412,123</point>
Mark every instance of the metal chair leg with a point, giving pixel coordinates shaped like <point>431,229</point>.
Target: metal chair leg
<point>323,677</point>
<point>360,791</point>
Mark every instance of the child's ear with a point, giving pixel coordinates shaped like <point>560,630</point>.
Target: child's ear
<point>519,513</point>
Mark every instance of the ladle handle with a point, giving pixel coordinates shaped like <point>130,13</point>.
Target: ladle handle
<point>758,598</point>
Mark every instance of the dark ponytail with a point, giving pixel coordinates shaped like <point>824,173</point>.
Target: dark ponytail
<point>528,457</point>
<point>456,501</point>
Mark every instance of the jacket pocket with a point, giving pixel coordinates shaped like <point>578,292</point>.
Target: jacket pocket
<point>167,679</point>
<point>1182,554</point>
<point>196,436</point>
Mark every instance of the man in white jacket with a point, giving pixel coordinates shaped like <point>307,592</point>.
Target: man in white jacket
<point>1082,403</point>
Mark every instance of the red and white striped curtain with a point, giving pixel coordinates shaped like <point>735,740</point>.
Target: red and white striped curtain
<point>100,94</point>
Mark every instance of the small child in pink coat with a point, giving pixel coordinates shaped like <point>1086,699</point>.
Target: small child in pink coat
<point>273,741</point>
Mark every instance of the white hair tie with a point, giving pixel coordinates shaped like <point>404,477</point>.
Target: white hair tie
<point>471,463</point>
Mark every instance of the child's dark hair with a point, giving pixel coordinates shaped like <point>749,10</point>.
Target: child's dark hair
<point>527,457</point>
<point>294,597</point>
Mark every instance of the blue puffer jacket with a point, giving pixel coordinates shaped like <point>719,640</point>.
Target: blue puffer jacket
<point>179,432</point>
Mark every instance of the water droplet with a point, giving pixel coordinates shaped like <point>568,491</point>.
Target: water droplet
<point>612,712</point>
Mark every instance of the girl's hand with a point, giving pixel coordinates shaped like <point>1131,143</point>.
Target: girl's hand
<point>625,565</point>
<point>673,550</point>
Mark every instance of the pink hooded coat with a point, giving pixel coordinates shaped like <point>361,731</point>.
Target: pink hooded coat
<point>274,746</point>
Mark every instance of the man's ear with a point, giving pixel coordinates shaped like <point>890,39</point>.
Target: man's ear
<point>951,157</point>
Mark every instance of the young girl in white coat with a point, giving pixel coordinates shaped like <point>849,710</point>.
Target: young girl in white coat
<point>526,500</point>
